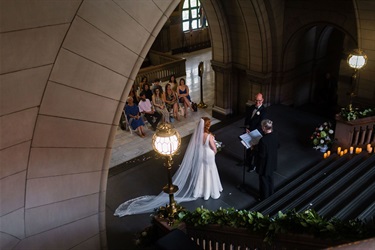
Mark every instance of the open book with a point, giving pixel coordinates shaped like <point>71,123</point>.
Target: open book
<point>250,139</point>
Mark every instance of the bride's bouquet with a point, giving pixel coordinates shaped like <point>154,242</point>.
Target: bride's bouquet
<point>219,145</point>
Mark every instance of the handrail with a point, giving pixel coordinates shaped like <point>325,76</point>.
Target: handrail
<point>163,66</point>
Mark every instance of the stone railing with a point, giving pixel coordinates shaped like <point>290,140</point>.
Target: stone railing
<point>216,237</point>
<point>163,66</point>
<point>359,132</point>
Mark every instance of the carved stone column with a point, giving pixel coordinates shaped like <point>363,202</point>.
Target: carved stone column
<point>259,83</point>
<point>224,90</point>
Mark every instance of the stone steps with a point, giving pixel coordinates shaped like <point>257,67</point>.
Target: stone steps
<point>340,187</point>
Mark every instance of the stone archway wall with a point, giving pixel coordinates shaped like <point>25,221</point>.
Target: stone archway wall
<point>66,68</point>
<point>302,37</point>
<point>354,18</point>
<point>365,10</point>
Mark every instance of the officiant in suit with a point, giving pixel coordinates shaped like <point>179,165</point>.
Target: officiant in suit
<point>266,160</point>
<point>255,115</point>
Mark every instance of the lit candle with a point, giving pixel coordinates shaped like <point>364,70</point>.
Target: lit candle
<point>345,151</point>
<point>328,153</point>
<point>357,150</point>
<point>369,150</point>
<point>351,150</point>
<point>368,146</point>
<point>338,150</point>
<point>341,153</point>
<point>325,155</point>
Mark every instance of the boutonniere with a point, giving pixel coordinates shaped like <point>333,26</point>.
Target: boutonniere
<point>258,113</point>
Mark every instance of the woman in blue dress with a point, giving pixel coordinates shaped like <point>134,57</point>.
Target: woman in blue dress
<point>134,117</point>
<point>183,95</point>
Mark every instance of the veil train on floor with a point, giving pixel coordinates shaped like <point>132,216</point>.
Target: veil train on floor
<point>184,178</point>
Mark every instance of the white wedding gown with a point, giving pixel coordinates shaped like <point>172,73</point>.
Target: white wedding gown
<point>208,182</point>
<point>196,177</point>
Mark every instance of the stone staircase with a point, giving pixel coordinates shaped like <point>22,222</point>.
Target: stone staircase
<point>340,187</point>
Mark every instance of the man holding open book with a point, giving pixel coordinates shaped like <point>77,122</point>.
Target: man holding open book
<point>256,113</point>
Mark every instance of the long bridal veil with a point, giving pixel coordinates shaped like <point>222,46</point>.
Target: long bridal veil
<point>185,178</point>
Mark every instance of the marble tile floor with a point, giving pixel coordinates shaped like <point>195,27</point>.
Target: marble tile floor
<point>122,152</point>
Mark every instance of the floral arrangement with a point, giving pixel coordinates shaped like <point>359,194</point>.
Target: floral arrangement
<point>322,138</point>
<point>219,145</point>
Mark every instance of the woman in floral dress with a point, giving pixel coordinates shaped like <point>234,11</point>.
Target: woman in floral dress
<point>158,102</point>
<point>171,101</point>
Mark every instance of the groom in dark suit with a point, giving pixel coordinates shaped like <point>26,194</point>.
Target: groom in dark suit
<point>266,160</point>
<point>255,114</point>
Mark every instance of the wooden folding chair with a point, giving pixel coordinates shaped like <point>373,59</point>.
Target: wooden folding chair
<point>127,123</point>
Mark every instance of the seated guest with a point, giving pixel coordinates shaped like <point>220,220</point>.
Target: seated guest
<point>143,81</point>
<point>183,95</point>
<point>133,93</point>
<point>155,84</point>
<point>158,102</point>
<point>171,101</point>
<point>173,83</point>
<point>147,90</point>
<point>145,108</point>
<point>134,116</point>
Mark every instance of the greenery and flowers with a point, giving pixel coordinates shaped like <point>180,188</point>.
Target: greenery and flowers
<point>356,113</point>
<point>323,136</point>
<point>306,222</point>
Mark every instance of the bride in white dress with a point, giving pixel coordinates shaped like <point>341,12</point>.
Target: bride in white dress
<point>196,177</point>
<point>208,182</point>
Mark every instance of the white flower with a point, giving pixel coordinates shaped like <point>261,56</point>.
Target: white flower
<point>330,131</point>
<point>321,141</point>
<point>321,128</point>
<point>219,145</point>
<point>258,113</point>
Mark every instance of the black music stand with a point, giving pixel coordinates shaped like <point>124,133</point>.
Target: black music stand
<point>242,187</point>
<point>247,140</point>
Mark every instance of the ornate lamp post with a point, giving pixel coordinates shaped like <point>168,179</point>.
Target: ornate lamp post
<point>356,60</point>
<point>166,141</point>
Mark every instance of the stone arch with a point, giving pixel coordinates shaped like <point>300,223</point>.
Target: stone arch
<point>66,70</point>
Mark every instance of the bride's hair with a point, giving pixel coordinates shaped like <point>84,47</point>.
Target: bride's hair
<point>207,124</point>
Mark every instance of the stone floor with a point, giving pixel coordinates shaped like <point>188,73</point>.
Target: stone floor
<point>122,152</point>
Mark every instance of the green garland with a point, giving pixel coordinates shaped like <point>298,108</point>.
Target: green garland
<point>356,113</point>
<point>307,222</point>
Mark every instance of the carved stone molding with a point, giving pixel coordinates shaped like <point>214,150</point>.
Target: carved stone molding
<point>259,78</point>
<point>221,67</point>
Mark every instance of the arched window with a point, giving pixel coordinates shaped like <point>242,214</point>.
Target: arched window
<point>193,16</point>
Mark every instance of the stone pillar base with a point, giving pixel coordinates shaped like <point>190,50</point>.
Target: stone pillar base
<point>220,113</point>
